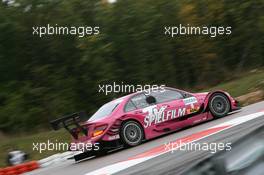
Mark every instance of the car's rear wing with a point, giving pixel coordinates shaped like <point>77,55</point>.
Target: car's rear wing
<point>71,120</point>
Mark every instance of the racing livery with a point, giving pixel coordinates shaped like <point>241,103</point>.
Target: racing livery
<point>140,116</point>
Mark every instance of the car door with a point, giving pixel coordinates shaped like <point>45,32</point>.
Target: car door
<point>138,106</point>
<point>191,104</point>
<point>169,108</point>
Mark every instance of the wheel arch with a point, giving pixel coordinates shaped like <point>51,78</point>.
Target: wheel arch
<point>131,118</point>
<point>210,94</point>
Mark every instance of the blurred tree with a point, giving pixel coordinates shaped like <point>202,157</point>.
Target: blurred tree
<point>42,78</point>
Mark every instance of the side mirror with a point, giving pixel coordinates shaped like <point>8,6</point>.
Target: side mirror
<point>185,95</point>
<point>151,100</point>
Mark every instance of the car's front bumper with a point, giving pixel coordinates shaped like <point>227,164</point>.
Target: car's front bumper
<point>236,105</point>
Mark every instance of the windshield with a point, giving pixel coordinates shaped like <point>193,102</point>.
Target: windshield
<point>105,110</point>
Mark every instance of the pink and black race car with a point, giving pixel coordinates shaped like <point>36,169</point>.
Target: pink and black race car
<point>140,116</point>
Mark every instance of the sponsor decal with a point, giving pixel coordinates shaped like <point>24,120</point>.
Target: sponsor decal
<point>160,115</point>
<point>200,120</point>
<point>190,100</point>
<point>193,110</point>
<point>114,137</point>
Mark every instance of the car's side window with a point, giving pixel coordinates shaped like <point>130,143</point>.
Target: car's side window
<point>139,101</point>
<point>166,95</point>
<point>130,106</point>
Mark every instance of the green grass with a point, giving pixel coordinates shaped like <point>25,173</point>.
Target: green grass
<point>249,82</point>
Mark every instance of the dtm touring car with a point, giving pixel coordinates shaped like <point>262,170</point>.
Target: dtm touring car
<point>140,116</point>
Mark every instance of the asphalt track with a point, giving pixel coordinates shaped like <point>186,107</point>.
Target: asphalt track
<point>168,163</point>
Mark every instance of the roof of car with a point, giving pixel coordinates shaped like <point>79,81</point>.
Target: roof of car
<point>134,93</point>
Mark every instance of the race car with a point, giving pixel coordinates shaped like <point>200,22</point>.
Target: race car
<point>140,116</point>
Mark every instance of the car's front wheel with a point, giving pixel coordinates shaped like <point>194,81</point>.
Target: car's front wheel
<point>219,105</point>
<point>131,133</point>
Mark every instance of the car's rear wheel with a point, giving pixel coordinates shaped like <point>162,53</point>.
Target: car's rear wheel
<point>131,133</point>
<point>219,105</point>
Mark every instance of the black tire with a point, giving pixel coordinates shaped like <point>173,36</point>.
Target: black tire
<point>131,133</point>
<point>219,105</point>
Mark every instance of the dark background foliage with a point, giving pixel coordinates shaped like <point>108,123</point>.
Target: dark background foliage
<point>43,78</point>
